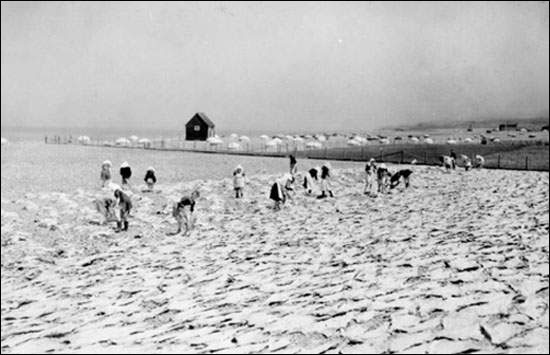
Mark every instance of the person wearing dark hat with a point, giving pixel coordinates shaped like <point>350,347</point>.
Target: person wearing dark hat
<point>325,181</point>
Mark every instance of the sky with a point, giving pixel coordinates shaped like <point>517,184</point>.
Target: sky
<point>272,65</point>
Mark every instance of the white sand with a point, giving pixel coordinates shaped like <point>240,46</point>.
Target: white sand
<point>459,262</point>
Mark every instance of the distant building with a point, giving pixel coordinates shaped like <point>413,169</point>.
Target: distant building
<point>508,127</point>
<point>199,128</point>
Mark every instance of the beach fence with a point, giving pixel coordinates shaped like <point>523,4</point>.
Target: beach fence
<point>514,155</point>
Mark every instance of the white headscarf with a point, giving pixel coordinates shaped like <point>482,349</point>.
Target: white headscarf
<point>125,165</point>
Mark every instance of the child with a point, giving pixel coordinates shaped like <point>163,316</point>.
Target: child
<point>106,173</point>
<point>125,173</point>
<point>479,161</point>
<point>125,205</point>
<point>293,165</point>
<point>238,181</point>
<point>106,206</point>
<point>467,162</point>
<point>447,161</point>
<point>396,178</point>
<point>370,171</point>
<point>150,178</point>
<point>183,211</point>
<point>280,190</point>
<point>309,179</point>
<point>382,176</point>
<point>325,184</point>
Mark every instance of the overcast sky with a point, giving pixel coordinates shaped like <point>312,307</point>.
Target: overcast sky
<point>276,66</point>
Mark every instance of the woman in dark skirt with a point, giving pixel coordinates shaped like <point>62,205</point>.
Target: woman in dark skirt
<point>150,178</point>
<point>125,173</point>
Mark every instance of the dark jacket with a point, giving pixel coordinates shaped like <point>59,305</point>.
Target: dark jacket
<point>150,175</point>
<point>126,172</point>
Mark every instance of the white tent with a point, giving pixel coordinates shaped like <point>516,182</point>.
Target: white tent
<point>321,138</point>
<point>314,145</point>
<point>468,140</point>
<point>354,142</point>
<point>214,140</point>
<point>451,141</point>
<point>384,141</point>
<point>134,138</point>
<point>298,139</point>
<point>122,141</point>
<point>414,139</point>
<point>523,130</point>
<point>244,139</point>
<point>234,146</point>
<point>429,141</point>
<point>145,142</point>
<point>83,139</point>
<point>4,141</point>
<point>274,142</point>
<point>289,138</point>
<point>264,137</point>
<point>233,136</point>
<point>496,140</point>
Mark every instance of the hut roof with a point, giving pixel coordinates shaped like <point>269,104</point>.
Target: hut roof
<point>205,118</point>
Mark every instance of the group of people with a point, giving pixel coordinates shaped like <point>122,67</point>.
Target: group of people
<point>383,178</point>
<point>378,179</point>
<point>450,161</point>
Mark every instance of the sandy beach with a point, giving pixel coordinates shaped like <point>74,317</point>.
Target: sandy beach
<point>457,263</point>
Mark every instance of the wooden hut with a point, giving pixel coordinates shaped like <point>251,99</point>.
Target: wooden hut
<point>199,128</point>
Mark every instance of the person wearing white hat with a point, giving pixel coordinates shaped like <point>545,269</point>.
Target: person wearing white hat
<point>150,178</point>
<point>280,190</point>
<point>183,211</point>
<point>238,181</point>
<point>479,161</point>
<point>106,173</point>
<point>310,179</point>
<point>125,173</point>
<point>325,181</point>
<point>383,176</point>
<point>370,171</point>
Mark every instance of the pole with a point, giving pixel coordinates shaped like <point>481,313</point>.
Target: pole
<point>498,162</point>
<point>526,162</point>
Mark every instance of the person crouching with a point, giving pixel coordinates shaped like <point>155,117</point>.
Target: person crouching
<point>124,203</point>
<point>310,179</point>
<point>150,178</point>
<point>280,191</point>
<point>396,178</point>
<point>183,211</point>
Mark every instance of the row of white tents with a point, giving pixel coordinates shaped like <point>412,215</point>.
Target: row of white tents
<point>4,141</point>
